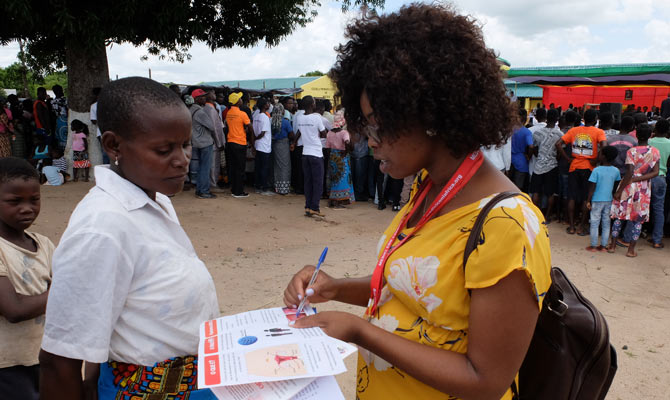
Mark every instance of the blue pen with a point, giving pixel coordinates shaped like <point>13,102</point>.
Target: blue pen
<point>311,281</point>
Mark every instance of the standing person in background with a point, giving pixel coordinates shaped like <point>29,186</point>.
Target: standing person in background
<point>202,138</point>
<point>540,122</point>
<point>522,145</point>
<point>665,108</point>
<point>623,142</point>
<point>339,168</point>
<point>282,132</point>
<point>25,277</point>
<point>219,141</point>
<point>310,127</point>
<point>633,197</point>
<point>59,106</point>
<point>41,115</point>
<point>238,129</point>
<point>94,121</point>
<point>360,160</point>
<point>328,123</point>
<point>500,156</point>
<point>544,181</point>
<point>80,157</point>
<point>661,142</point>
<point>297,173</point>
<point>263,145</point>
<point>6,134</point>
<point>599,201</point>
<point>606,123</point>
<point>585,142</point>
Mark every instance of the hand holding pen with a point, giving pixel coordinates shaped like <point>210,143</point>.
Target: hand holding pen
<point>315,274</point>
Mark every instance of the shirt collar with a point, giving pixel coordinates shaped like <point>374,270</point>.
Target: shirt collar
<point>126,192</point>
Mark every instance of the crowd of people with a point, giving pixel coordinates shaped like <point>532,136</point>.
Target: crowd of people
<point>589,169</point>
<point>281,146</point>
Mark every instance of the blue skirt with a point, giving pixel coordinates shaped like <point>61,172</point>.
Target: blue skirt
<point>339,169</point>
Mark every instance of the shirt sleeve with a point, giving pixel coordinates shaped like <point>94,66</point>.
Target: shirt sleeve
<point>245,119</point>
<point>91,280</point>
<point>601,136</point>
<point>94,112</point>
<point>594,176</point>
<point>630,156</point>
<point>567,138</point>
<point>514,237</point>
<point>618,175</point>
<point>320,125</point>
<point>204,119</point>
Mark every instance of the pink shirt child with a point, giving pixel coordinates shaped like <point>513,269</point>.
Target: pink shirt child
<point>78,141</point>
<point>336,140</point>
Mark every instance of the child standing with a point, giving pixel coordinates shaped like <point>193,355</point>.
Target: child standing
<point>25,276</point>
<point>80,149</point>
<point>633,197</point>
<point>601,186</point>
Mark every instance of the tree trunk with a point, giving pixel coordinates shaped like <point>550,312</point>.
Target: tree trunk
<point>86,69</point>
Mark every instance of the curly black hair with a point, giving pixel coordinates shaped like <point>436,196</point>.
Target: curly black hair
<point>425,66</point>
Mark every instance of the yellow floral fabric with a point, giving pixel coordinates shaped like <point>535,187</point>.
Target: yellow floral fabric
<point>425,297</point>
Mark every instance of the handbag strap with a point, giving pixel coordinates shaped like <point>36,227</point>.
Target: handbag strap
<point>476,231</point>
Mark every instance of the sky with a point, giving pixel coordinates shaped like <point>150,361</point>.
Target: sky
<point>526,33</point>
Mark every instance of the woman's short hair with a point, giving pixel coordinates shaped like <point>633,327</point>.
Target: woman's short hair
<point>425,67</point>
<point>123,102</point>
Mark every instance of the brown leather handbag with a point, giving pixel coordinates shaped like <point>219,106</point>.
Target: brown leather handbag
<point>570,356</point>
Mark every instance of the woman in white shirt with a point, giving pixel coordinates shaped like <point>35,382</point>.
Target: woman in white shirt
<point>129,291</point>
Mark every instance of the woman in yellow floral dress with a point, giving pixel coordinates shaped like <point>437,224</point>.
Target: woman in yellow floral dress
<point>429,93</point>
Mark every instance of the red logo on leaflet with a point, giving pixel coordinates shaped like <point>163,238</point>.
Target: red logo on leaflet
<point>211,345</point>
<point>212,371</point>
<point>210,328</point>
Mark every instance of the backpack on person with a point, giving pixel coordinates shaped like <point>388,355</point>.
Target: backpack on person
<point>570,356</point>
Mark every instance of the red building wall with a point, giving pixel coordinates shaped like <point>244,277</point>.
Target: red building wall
<point>578,95</point>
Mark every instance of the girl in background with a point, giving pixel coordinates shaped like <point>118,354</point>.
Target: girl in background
<point>80,149</point>
<point>339,143</point>
<point>633,197</point>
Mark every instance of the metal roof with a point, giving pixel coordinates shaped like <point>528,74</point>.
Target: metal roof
<point>523,89</point>
<point>259,84</point>
<point>591,71</point>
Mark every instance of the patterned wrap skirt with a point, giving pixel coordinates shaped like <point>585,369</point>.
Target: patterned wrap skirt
<point>339,172</point>
<point>173,379</point>
<point>282,165</point>
<point>80,159</point>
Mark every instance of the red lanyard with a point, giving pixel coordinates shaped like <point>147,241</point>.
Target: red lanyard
<point>458,180</point>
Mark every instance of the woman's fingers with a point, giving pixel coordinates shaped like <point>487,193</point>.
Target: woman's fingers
<point>296,288</point>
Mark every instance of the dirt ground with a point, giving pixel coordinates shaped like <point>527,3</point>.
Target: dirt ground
<point>253,246</point>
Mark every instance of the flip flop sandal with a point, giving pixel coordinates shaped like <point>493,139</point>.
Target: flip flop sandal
<point>582,233</point>
<point>570,231</point>
<point>657,245</point>
<point>622,244</point>
<point>591,249</point>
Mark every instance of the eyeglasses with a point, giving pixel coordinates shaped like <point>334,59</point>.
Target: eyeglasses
<point>373,133</point>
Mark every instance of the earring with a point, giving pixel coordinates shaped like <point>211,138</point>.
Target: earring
<point>431,132</point>
<point>116,162</point>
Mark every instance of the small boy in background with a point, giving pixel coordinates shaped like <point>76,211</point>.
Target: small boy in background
<point>25,276</point>
<point>599,201</point>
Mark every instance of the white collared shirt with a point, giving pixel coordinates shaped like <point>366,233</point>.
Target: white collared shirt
<point>127,283</point>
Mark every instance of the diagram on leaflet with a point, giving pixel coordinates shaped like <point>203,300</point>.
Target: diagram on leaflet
<point>276,361</point>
